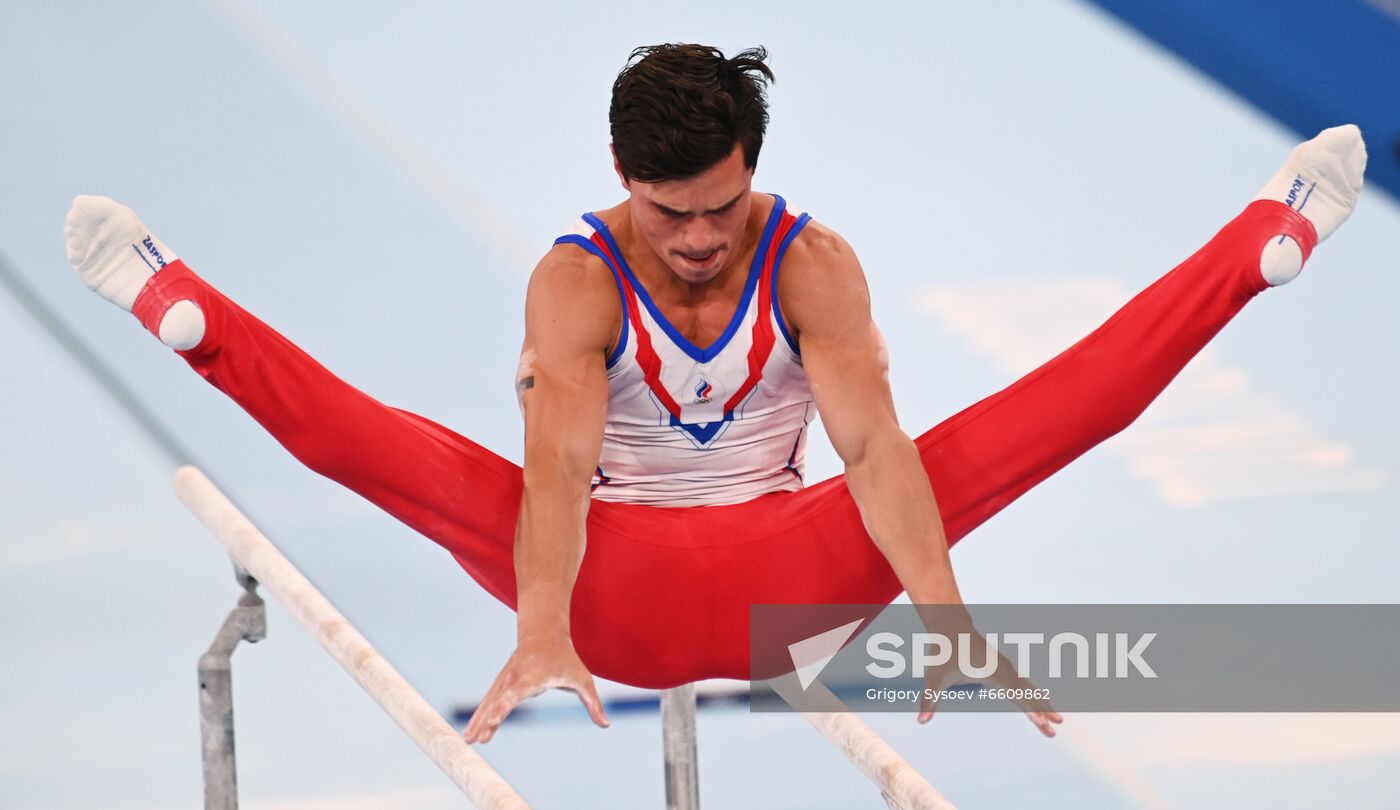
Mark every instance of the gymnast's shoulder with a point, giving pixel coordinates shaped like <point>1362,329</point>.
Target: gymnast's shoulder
<point>572,292</point>
<point>819,273</point>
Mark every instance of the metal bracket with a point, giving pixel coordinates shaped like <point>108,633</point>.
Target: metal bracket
<point>247,622</point>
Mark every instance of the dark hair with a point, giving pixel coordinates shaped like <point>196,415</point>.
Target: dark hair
<point>677,110</point>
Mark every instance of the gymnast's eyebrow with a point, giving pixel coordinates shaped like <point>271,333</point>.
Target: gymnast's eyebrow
<point>673,212</point>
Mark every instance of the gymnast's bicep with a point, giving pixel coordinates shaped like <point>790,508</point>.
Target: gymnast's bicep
<point>824,293</point>
<point>570,313</point>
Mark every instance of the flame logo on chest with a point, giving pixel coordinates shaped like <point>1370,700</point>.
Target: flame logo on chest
<point>702,390</point>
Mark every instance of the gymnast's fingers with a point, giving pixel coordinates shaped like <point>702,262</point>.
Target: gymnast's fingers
<point>928,704</point>
<point>500,710</point>
<point>588,693</point>
<point>477,725</point>
<point>491,712</point>
<point>474,725</point>
<point>1042,715</point>
<point>1045,721</point>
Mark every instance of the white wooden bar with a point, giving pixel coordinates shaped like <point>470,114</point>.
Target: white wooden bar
<point>466,768</point>
<point>903,787</point>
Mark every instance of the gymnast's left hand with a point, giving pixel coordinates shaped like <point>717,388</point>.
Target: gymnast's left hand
<point>538,664</point>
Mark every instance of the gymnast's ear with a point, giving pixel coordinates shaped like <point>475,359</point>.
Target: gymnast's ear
<point>617,167</point>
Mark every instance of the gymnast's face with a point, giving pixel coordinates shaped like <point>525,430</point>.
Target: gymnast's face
<point>695,226</point>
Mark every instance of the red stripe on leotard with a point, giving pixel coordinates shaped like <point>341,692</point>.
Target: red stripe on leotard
<point>763,339</point>
<point>647,358</point>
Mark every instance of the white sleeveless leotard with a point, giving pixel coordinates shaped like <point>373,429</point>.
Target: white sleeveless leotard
<point>691,426</point>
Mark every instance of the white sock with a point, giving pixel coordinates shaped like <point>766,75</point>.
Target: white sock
<point>115,255</point>
<point>1321,180</point>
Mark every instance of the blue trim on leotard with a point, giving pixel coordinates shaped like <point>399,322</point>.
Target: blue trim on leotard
<point>708,353</point>
<point>777,263</point>
<point>576,239</point>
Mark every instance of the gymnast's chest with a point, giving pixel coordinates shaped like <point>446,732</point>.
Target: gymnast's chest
<point>657,380</point>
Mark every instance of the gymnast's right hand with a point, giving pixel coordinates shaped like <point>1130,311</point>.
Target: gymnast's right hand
<point>538,664</point>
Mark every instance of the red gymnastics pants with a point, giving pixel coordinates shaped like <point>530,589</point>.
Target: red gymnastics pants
<point>663,594</point>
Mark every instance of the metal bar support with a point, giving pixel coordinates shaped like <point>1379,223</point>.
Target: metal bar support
<point>423,724</point>
<point>247,622</point>
<point>678,738</point>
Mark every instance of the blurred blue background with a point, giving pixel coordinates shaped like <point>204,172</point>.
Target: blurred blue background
<point>377,183</point>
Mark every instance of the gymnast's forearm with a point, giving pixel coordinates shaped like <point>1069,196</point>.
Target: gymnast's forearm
<point>549,546</point>
<point>897,504</point>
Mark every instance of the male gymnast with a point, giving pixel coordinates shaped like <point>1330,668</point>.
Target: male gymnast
<point>676,346</point>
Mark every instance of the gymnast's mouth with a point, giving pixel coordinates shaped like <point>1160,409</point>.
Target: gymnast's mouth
<point>701,261</point>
